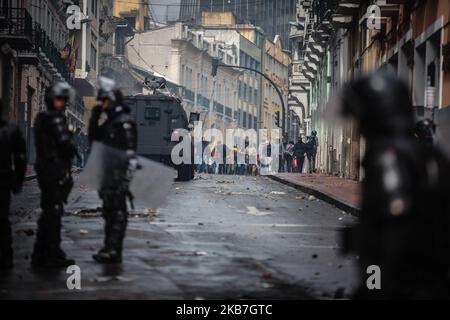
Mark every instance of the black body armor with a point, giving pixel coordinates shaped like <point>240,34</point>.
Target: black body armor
<point>404,223</point>
<point>54,154</point>
<point>117,131</point>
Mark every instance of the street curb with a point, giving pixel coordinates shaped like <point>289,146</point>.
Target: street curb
<point>324,196</point>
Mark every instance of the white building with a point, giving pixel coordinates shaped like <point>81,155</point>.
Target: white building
<point>184,56</point>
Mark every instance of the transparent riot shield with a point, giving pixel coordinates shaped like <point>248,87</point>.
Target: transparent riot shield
<point>149,182</point>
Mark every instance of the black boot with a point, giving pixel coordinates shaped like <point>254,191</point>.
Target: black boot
<point>47,251</point>
<point>6,251</point>
<point>114,234</point>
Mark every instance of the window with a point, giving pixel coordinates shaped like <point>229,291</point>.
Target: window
<point>152,113</point>
<point>94,7</point>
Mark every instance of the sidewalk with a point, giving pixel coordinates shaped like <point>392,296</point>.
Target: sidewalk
<point>344,194</point>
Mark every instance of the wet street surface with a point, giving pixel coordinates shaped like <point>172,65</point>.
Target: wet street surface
<point>218,237</point>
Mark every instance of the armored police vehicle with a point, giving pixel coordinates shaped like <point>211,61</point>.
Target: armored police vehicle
<point>157,116</point>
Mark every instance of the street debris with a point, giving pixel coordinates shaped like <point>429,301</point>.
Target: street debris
<point>87,213</point>
<point>225,181</point>
<point>264,285</point>
<point>102,279</point>
<point>83,231</point>
<point>311,198</point>
<point>277,192</point>
<point>254,211</point>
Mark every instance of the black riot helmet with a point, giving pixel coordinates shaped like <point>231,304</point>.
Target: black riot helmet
<point>380,103</point>
<point>61,90</point>
<point>425,130</point>
<point>107,89</point>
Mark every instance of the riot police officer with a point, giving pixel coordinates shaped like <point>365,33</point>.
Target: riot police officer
<point>12,173</point>
<point>54,153</point>
<point>404,221</point>
<point>425,131</point>
<point>118,131</point>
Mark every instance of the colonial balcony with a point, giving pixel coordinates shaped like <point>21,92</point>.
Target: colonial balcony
<point>50,56</point>
<point>342,21</point>
<point>312,57</point>
<point>16,28</point>
<point>308,75</point>
<point>348,7</point>
<point>310,66</point>
<point>320,37</point>
<point>297,31</point>
<point>315,48</point>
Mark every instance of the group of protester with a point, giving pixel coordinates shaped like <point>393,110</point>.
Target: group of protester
<point>237,160</point>
<point>292,155</point>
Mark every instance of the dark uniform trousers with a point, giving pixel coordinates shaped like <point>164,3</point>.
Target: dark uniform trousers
<point>5,226</point>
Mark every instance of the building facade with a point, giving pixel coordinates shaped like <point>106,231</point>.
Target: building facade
<point>135,12</point>
<point>246,42</point>
<point>276,64</point>
<point>337,42</point>
<point>273,16</point>
<point>33,36</point>
<point>184,57</point>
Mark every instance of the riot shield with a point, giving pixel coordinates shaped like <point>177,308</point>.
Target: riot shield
<point>149,182</point>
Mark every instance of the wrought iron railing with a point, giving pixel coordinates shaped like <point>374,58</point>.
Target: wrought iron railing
<point>15,21</point>
<point>188,94</point>
<point>43,42</point>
